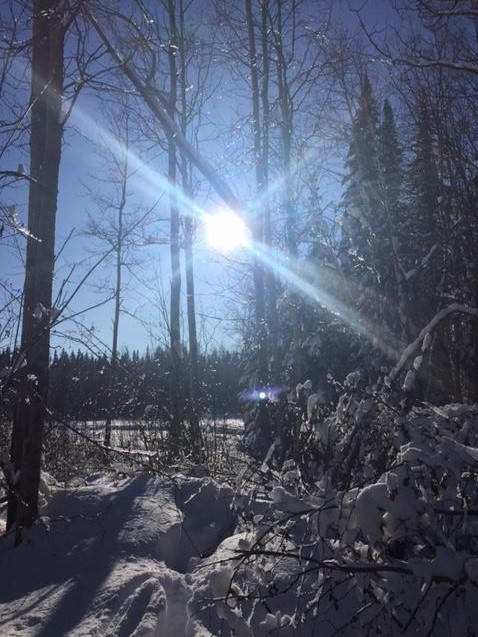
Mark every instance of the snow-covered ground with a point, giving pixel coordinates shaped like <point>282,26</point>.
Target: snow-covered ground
<point>181,554</point>
<point>145,433</point>
<point>109,558</point>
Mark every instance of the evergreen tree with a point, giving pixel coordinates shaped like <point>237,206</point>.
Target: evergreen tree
<point>390,160</point>
<point>371,208</point>
<point>423,218</point>
<point>393,241</point>
<point>360,201</point>
<point>424,226</point>
<point>424,184</point>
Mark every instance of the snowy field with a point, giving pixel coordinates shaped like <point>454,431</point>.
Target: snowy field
<point>143,434</point>
<point>142,556</point>
<point>76,448</point>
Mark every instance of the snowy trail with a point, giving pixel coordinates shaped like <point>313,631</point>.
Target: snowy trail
<point>100,563</point>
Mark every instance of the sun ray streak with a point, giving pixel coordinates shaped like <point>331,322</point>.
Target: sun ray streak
<point>292,271</point>
<point>280,181</point>
<point>153,179</point>
<point>288,269</point>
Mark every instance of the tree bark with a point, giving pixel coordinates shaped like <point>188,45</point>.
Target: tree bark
<point>175,301</point>
<point>113,369</point>
<point>194,419</point>
<point>45,151</point>
<point>270,279</point>
<point>286,129</point>
<point>257,224</point>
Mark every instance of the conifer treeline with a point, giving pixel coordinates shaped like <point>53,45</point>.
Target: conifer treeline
<point>79,384</point>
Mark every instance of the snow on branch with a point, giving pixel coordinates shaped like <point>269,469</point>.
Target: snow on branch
<point>17,174</point>
<point>423,337</point>
<point>9,218</point>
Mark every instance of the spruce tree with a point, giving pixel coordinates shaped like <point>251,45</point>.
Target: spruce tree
<point>391,233</point>
<point>423,214</point>
<point>390,159</point>
<point>424,184</point>
<point>361,200</point>
<point>366,249</point>
<point>423,226</point>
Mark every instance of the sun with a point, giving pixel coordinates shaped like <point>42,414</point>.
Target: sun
<point>226,231</point>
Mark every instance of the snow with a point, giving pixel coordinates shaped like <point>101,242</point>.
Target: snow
<point>423,339</point>
<point>185,555</point>
<point>105,558</point>
<point>409,381</point>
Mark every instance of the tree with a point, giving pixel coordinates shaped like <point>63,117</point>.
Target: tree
<point>394,241</point>
<point>176,376</point>
<point>363,253</point>
<point>188,111</point>
<point>360,199</point>
<point>49,24</point>
<point>258,222</point>
<point>121,226</point>
<point>424,184</point>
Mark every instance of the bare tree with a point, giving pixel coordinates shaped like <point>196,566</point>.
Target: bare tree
<point>122,226</point>
<point>186,116</point>
<point>49,23</point>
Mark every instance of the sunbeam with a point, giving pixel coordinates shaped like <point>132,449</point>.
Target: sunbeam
<point>279,182</point>
<point>288,269</point>
<point>153,180</point>
<point>226,231</point>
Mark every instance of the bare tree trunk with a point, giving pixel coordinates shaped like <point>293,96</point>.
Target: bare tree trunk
<point>175,303</point>
<point>194,423</point>
<point>116,319</point>
<point>270,279</point>
<point>258,222</point>
<point>45,151</point>
<point>193,342</point>
<point>286,109</point>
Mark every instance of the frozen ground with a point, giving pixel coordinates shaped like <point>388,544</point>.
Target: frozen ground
<point>108,558</point>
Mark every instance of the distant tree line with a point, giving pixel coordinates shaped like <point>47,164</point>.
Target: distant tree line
<point>79,385</point>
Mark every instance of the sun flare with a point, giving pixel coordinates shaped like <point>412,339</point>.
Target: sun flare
<point>226,231</point>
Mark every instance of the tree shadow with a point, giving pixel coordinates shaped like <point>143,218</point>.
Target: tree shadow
<point>81,548</point>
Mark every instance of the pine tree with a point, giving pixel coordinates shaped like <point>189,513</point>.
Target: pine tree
<point>423,214</point>
<point>424,184</point>
<point>361,201</point>
<point>370,205</point>
<point>390,160</point>
<point>423,226</point>
<point>392,239</point>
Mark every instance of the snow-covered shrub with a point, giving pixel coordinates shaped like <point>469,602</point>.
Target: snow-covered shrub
<point>355,443</point>
<point>66,455</point>
<point>273,431</point>
<point>382,543</point>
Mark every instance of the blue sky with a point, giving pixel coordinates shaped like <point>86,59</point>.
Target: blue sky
<point>218,277</point>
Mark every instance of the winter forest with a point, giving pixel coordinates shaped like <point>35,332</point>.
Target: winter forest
<point>238,318</point>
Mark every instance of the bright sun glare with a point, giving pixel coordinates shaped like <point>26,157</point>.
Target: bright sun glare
<point>226,231</point>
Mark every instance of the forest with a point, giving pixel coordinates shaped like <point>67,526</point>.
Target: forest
<point>238,318</point>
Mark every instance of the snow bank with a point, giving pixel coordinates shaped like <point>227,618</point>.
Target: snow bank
<point>101,561</point>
